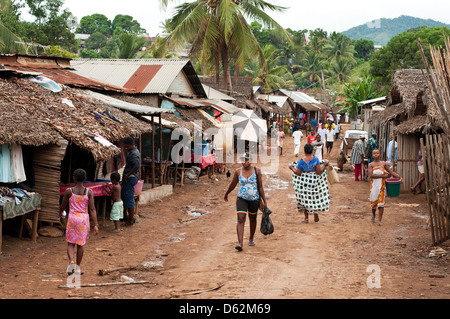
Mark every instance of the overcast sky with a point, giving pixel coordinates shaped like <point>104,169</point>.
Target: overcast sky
<point>330,15</point>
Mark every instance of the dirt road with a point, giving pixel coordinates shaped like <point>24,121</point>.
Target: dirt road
<point>189,257</point>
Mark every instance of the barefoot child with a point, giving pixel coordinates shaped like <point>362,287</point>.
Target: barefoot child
<point>117,208</point>
<point>378,172</point>
<point>81,202</point>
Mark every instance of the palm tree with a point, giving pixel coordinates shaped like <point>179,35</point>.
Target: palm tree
<point>7,37</point>
<point>272,76</point>
<point>340,46</point>
<point>219,32</point>
<point>129,45</point>
<point>311,67</point>
<point>159,50</point>
<point>341,69</point>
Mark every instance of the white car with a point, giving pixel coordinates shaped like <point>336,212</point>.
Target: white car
<point>350,136</point>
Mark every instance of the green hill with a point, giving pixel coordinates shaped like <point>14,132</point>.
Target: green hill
<point>382,30</point>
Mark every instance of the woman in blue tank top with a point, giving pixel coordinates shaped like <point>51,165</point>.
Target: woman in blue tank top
<point>250,191</point>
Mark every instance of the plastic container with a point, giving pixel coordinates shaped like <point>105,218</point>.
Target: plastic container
<point>393,187</point>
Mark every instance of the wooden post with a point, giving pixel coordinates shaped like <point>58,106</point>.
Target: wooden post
<point>1,228</point>
<point>153,151</point>
<point>160,150</point>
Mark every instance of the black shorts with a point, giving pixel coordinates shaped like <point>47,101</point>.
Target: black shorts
<point>247,206</point>
<point>329,144</point>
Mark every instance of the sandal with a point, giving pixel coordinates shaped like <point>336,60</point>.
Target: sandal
<point>251,243</point>
<point>116,231</point>
<point>238,247</point>
<point>305,222</point>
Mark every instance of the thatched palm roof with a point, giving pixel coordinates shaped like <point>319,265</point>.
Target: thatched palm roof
<point>406,86</point>
<point>32,115</point>
<point>410,96</point>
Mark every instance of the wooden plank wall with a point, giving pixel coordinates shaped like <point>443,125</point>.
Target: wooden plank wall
<point>47,170</point>
<point>436,158</point>
<point>407,156</point>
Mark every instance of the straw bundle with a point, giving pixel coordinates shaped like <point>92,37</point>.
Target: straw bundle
<point>439,82</point>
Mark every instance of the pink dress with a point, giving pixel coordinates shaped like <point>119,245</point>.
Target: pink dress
<point>77,231</point>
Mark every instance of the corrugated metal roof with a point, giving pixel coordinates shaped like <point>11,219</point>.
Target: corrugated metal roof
<point>300,97</point>
<point>216,95</point>
<point>121,72</point>
<point>54,69</point>
<point>380,99</point>
<point>126,106</point>
<point>277,99</point>
<point>219,105</point>
<point>303,98</point>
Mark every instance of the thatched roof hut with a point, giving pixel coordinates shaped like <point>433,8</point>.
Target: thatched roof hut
<point>410,113</point>
<point>34,116</point>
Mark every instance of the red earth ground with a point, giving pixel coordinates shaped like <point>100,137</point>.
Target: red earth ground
<point>188,257</point>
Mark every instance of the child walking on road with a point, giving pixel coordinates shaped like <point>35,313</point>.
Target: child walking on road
<point>81,201</point>
<point>117,205</point>
<point>378,172</point>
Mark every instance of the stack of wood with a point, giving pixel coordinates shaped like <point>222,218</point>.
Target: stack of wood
<point>436,148</point>
<point>439,82</point>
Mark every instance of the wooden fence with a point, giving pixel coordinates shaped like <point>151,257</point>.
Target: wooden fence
<point>436,160</point>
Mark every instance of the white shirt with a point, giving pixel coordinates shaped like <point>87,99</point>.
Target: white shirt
<point>322,132</point>
<point>297,137</point>
<point>330,136</point>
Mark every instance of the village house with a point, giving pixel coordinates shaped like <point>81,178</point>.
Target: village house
<point>410,114</point>
<point>55,127</point>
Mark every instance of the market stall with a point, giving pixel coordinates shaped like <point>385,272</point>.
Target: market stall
<point>17,202</point>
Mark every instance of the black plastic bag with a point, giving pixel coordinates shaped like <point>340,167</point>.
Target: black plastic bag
<point>266,222</point>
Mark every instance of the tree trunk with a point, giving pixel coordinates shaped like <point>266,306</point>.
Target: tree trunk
<point>226,70</point>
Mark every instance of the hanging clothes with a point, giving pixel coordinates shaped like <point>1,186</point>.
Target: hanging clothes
<point>5,163</point>
<point>17,168</point>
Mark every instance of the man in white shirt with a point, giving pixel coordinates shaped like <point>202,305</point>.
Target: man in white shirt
<point>297,141</point>
<point>323,133</point>
<point>330,139</point>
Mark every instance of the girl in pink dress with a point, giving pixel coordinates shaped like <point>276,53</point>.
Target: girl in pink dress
<point>80,200</point>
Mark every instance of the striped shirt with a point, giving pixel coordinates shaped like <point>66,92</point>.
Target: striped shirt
<point>357,152</point>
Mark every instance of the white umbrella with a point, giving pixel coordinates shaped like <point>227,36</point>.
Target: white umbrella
<point>251,125</point>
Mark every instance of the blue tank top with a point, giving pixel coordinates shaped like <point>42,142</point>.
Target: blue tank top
<point>248,187</point>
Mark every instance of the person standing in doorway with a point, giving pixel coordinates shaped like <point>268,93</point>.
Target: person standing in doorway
<point>130,178</point>
<point>251,191</point>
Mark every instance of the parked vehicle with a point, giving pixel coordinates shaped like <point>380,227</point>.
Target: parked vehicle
<point>350,137</point>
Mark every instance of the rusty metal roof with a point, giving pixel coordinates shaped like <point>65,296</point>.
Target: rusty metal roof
<point>56,68</point>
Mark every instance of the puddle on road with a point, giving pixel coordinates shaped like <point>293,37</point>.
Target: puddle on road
<point>273,181</point>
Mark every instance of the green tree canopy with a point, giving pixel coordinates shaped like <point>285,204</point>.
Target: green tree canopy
<point>95,23</point>
<point>402,52</point>
<point>364,48</point>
